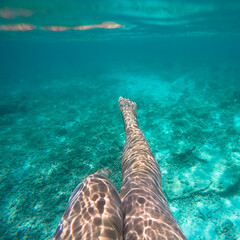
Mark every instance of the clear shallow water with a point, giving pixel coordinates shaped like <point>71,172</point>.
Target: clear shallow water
<point>59,117</point>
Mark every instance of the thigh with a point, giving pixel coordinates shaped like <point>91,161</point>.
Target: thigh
<point>94,212</point>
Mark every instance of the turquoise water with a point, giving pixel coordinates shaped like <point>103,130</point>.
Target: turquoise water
<point>59,116</point>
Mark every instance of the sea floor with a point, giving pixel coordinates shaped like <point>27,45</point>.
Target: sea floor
<point>53,137</point>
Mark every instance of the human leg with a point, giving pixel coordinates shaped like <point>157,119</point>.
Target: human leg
<point>146,211</point>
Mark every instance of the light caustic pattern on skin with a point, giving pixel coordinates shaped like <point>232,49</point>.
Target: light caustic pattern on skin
<point>145,209</point>
<point>95,210</point>
<point>27,27</point>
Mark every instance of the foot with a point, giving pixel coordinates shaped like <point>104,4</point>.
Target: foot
<point>127,106</point>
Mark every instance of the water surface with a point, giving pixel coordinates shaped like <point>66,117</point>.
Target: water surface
<point>61,72</point>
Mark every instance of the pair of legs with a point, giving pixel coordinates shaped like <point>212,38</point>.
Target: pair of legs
<point>97,212</point>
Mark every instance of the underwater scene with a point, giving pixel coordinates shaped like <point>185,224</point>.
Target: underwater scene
<point>63,66</point>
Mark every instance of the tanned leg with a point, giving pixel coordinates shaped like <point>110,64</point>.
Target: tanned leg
<point>146,212</point>
<point>94,212</point>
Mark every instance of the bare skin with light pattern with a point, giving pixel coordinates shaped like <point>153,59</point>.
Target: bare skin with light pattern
<point>146,212</point>
<point>95,211</point>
